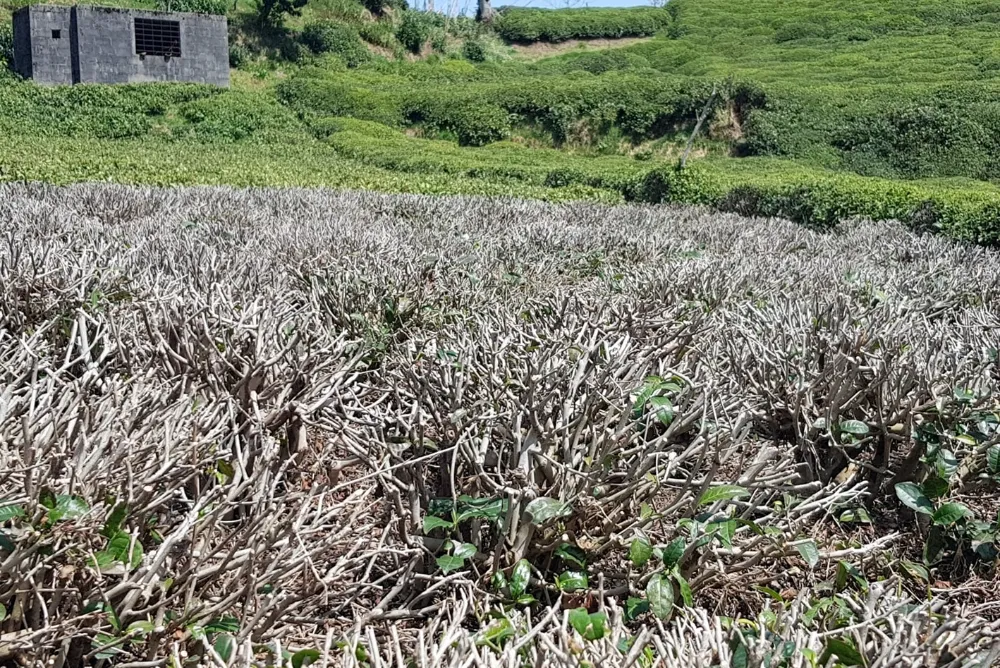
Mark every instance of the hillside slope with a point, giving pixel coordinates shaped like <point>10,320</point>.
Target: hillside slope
<point>814,111</point>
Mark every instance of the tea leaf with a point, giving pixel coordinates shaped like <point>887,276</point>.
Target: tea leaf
<point>913,497</point>
<point>660,594</point>
<point>722,493</point>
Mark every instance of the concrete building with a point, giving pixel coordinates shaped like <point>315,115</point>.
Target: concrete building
<point>83,44</point>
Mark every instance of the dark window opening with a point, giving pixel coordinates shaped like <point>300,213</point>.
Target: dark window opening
<point>156,37</point>
<point>57,34</point>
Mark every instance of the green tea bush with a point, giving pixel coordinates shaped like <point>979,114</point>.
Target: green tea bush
<point>337,38</point>
<point>239,54</point>
<point>794,31</point>
<point>822,199</point>
<point>473,124</point>
<point>6,45</point>
<point>475,50</point>
<point>236,115</point>
<point>219,7</point>
<point>414,30</point>
<point>547,25</point>
<point>919,141</point>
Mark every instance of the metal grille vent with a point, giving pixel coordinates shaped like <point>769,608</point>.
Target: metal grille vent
<point>156,37</point>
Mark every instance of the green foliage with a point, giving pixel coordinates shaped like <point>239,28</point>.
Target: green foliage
<point>220,7</point>
<point>273,12</point>
<point>414,30</point>
<point>532,25</point>
<point>474,50</point>
<point>336,38</point>
<point>589,625</point>
<point>379,7</point>
<point>239,54</point>
<point>235,115</point>
<point>6,45</point>
<point>793,31</point>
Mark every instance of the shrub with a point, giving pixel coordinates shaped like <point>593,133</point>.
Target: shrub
<point>219,7</point>
<point>337,38</point>
<point>547,25</point>
<point>235,115</point>
<point>414,31</point>
<point>239,54</point>
<point>378,7</point>
<point>938,138</point>
<point>292,51</point>
<point>474,50</point>
<point>473,124</point>
<point>273,12</point>
<point>793,31</point>
<point>6,46</point>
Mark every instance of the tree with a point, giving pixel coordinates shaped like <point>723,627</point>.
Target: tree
<point>271,12</point>
<point>485,11</point>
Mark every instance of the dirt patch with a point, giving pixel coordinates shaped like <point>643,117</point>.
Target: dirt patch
<point>538,50</point>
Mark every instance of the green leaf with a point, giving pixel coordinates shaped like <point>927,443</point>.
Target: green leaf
<point>949,513</point>
<point>488,509</point>
<point>640,551</point>
<point>225,624</point>
<point>10,512</point>
<point>589,625</point>
<point>225,645</point>
<point>660,594</point>
<point>639,406</point>
<point>673,552</point>
<point>993,458</point>
<point>305,657</point>
<point>854,427</point>
<point>47,498</point>
<point>856,515</point>
<point>571,581</point>
<point>140,628</point>
<point>844,651</point>
<point>448,563</point>
<point>68,508</point>
<point>103,560</point>
<point>498,581</point>
<point>964,395</point>
<point>685,589</point>
<point>635,607</point>
<point>946,463</point>
<point>3,612</point>
<point>937,542</point>
<point>102,639</point>
<point>935,487</point>
<point>913,497</point>
<point>572,554</point>
<point>463,550</point>
<point>645,511</point>
<point>663,409</point>
<point>496,633</point>
<point>724,531</point>
<point>543,509</point>
<point>115,519</point>
<point>809,552</point>
<point>432,522</point>
<point>520,578</point>
<point>915,571</point>
<point>118,548</point>
<point>722,493</point>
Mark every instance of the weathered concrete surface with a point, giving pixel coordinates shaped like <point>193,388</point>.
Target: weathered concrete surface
<point>97,45</point>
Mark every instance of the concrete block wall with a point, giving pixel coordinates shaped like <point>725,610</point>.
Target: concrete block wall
<point>49,43</point>
<point>97,45</point>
